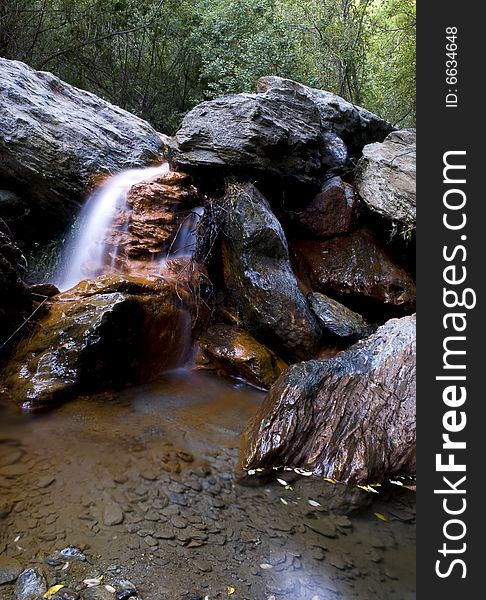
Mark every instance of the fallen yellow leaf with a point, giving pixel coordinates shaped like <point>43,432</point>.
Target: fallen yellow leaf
<point>52,590</point>
<point>230,590</point>
<point>381,517</point>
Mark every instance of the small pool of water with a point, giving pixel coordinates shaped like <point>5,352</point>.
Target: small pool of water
<point>143,483</point>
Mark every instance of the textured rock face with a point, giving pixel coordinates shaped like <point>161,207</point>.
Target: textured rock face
<point>331,212</point>
<point>259,277</point>
<point>351,417</point>
<point>236,352</point>
<point>277,134</point>
<point>337,318</point>
<point>146,229</point>
<point>355,125</point>
<point>354,267</point>
<point>56,138</point>
<point>105,332</point>
<point>386,179</point>
<point>15,299</point>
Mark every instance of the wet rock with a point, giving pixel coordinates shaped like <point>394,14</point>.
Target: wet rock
<point>259,277</point>
<point>105,332</point>
<point>15,300</point>
<point>156,212</point>
<point>325,527</point>
<point>355,267</point>
<point>351,417</point>
<point>386,179</point>
<point>275,134</point>
<point>126,594</point>
<point>355,125</point>
<point>97,593</point>
<point>10,569</point>
<point>331,212</point>
<point>236,352</point>
<point>43,290</point>
<point>30,585</point>
<point>56,139</point>
<point>337,318</point>
<point>112,515</point>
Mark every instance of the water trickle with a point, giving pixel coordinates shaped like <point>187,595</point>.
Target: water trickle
<point>87,254</point>
<point>185,241</point>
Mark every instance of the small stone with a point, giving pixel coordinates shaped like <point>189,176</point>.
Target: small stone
<point>15,470</point>
<point>164,533</point>
<point>317,553</point>
<point>203,566</point>
<point>10,569</point>
<point>176,498</point>
<point>46,481</point>
<point>30,585</point>
<point>323,526</point>
<point>339,562</point>
<point>179,522</point>
<point>112,515</point>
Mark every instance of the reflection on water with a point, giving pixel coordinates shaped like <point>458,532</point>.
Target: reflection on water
<point>144,485</point>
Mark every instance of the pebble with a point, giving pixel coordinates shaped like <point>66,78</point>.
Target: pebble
<point>10,569</point>
<point>112,515</point>
<point>30,585</point>
<point>46,481</point>
<point>323,526</point>
<point>15,470</point>
<point>179,499</point>
<point>179,522</point>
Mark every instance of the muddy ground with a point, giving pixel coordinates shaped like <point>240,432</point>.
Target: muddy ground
<point>142,487</point>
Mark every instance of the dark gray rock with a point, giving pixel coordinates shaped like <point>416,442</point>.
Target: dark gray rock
<point>15,300</point>
<point>355,125</point>
<point>10,569</point>
<point>259,277</point>
<point>351,417</point>
<point>386,179</point>
<point>337,318</point>
<point>30,585</point>
<point>55,138</point>
<point>276,134</point>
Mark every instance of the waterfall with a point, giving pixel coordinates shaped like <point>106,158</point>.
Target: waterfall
<point>86,250</point>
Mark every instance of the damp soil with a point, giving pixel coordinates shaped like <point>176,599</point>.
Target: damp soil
<point>142,487</point>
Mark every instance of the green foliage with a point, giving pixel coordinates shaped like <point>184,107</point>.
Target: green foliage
<point>158,58</point>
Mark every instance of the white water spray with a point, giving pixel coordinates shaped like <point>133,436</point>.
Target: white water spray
<point>85,256</point>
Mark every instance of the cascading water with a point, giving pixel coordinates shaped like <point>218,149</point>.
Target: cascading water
<point>93,249</point>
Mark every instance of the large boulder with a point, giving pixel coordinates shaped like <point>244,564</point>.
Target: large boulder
<point>55,139</point>
<point>351,418</point>
<point>104,332</point>
<point>357,269</point>
<point>235,352</point>
<point>259,277</point>
<point>355,125</point>
<point>256,135</point>
<point>386,179</point>
<point>15,299</point>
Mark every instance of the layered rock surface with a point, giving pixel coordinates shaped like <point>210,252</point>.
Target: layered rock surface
<point>56,138</point>
<point>386,179</point>
<point>355,125</point>
<point>351,417</point>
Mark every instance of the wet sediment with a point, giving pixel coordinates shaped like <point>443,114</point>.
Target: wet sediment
<point>143,489</point>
